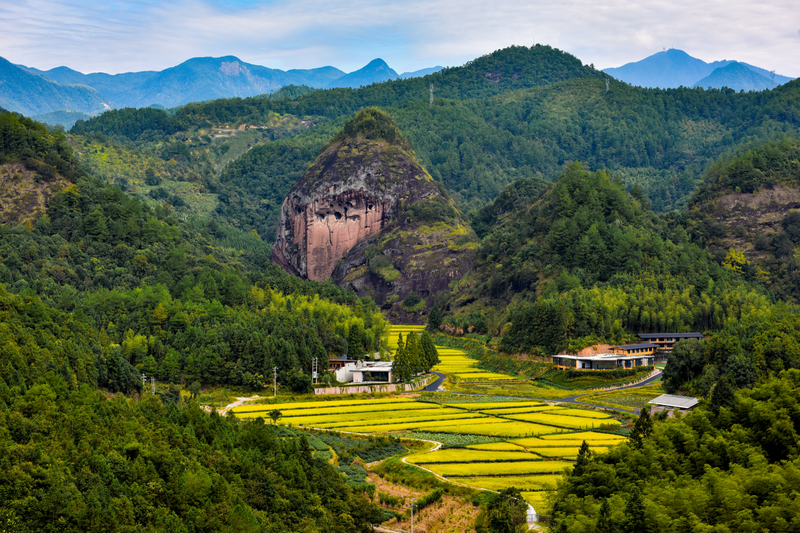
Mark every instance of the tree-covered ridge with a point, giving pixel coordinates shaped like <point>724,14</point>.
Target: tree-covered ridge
<point>73,460</point>
<point>166,300</point>
<point>587,262</point>
<point>745,212</point>
<point>728,466</point>
<point>659,140</point>
<point>374,125</point>
<point>30,142</point>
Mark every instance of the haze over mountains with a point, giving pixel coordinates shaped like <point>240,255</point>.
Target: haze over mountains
<point>46,95</point>
<point>675,68</point>
<point>35,92</point>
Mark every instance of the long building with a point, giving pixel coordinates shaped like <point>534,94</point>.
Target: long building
<point>665,341</point>
<point>604,361</point>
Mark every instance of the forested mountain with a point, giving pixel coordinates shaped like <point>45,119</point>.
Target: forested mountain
<point>103,288</point>
<point>659,140</point>
<point>588,262</point>
<point>748,204</point>
<point>731,465</point>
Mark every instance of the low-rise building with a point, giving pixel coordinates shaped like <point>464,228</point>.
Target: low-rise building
<point>646,348</point>
<point>669,402</point>
<point>378,371</point>
<point>605,361</point>
<point>665,341</point>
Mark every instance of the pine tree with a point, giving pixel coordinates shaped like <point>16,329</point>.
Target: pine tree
<point>414,353</point>
<point>435,319</point>
<point>641,428</point>
<point>583,460</point>
<point>400,366</point>
<point>430,354</point>
<point>355,342</point>
<point>635,521</point>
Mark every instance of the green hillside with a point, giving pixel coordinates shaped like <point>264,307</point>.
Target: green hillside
<point>477,137</point>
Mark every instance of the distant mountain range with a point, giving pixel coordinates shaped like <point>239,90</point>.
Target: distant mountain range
<point>43,94</point>
<point>675,68</point>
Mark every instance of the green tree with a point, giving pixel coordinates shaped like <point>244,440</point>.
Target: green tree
<point>434,319</point>
<point>642,428</point>
<point>430,354</point>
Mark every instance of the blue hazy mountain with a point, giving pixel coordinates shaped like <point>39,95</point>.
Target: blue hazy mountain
<point>375,71</point>
<point>736,76</point>
<point>30,94</point>
<point>675,68</point>
<point>420,73</point>
<point>109,85</point>
<point>194,80</point>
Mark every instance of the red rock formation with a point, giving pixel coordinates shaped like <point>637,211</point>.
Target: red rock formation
<point>326,228</point>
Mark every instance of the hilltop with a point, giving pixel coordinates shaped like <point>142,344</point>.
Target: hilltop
<point>367,215</point>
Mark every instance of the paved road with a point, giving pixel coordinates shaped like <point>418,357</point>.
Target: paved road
<point>433,387</point>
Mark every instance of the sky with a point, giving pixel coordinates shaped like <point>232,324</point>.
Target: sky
<point>132,35</point>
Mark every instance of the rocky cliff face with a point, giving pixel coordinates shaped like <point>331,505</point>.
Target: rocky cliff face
<point>368,216</point>
<point>353,190</point>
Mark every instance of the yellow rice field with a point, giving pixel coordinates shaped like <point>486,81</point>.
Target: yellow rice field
<point>564,421</point>
<point>531,483</point>
<point>459,455</point>
<point>499,469</point>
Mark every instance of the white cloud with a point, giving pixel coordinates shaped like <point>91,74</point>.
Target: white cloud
<point>91,35</point>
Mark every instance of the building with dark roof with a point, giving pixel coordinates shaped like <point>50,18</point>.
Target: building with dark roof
<point>645,348</point>
<point>605,361</point>
<point>665,341</point>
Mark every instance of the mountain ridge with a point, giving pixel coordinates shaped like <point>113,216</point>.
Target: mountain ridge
<point>674,68</point>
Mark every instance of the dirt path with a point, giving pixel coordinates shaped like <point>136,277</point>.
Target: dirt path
<point>239,401</point>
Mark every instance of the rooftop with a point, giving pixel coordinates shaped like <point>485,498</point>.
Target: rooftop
<point>638,346</point>
<point>694,335</point>
<point>672,400</point>
<point>382,366</point>
<point>601,357</point>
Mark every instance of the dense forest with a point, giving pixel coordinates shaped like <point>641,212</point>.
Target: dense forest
<point>102,289</point>
<point>517,113</point>
<point>731,465</point>
<point>604,211</point>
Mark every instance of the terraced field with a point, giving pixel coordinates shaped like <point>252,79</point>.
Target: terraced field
<point>523,443</point>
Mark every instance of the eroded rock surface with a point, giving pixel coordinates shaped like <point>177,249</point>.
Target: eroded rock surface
<point>352,191</point>
<point>367,216</point>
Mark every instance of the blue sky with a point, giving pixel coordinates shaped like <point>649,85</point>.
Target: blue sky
<point>129,35</point>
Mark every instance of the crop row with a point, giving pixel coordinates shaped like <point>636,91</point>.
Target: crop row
<point>384,409</point>
<point>376,416</point>
<point>320,404</point>
<point>494,405</point>
<point>499,469</point>
<point>455,455</point>
<point>587,436</point>
<point>526,483</point>
<point>378,423</point>
<point>563,421</point>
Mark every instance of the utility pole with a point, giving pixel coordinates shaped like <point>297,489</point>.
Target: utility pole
<point>606,84</point>
<point>431,102</point>
<point>144,382</point>
<point>314,369</point>
<point>153,385</point>
<point>275,381</point>
<point>413,501</point>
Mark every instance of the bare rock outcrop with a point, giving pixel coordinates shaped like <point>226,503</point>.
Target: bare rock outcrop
<point>368,216</point>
